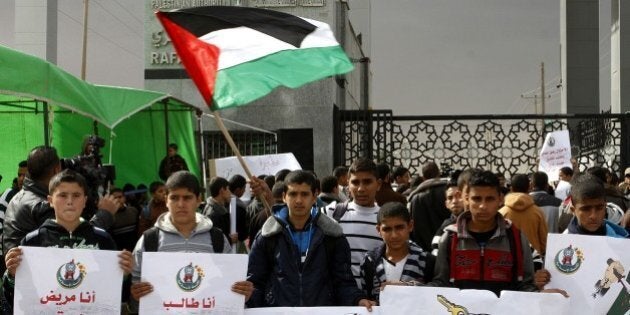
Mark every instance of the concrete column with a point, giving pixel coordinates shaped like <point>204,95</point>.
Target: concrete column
<point>620,56</point>
<point>36,28</point>
<point>579,38</point>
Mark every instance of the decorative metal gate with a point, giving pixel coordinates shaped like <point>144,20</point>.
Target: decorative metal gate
<point>502,143</point>
<point>248,143</point>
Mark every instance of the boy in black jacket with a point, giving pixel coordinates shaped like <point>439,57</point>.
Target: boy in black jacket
<point>67,196</point>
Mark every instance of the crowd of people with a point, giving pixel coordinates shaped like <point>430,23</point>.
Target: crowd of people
<point>334,240</point>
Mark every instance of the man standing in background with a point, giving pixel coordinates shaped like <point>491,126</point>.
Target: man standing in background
<point>10,192</point>
<point>172,163</point>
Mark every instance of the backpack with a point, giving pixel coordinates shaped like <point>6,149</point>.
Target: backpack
<point>614,213</point>
<point>369,270</point>
<point>151,238</point>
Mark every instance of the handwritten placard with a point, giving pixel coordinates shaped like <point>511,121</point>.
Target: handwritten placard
<point>555,153</point>
<point>68,281</point>
<point>192,283</point>
<point>258,164</point>
<point>268,164</point>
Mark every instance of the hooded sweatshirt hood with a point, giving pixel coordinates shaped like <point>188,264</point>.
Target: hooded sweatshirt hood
<point>165,223</point>
<point>518,201</point>
<point>529,218</point>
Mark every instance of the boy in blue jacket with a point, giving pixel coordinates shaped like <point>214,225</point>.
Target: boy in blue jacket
<point>300,257</point>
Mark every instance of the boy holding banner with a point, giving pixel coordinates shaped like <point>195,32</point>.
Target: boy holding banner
<point>588,198</point>
<point>399,261</point>
<point>482,250</point>
<point>301,256</point>
<point>67,196</point>
<point>181,229</point>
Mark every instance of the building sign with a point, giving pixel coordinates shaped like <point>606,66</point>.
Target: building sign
<point>312,3</point>
<point>180,4</point>
<point>159,52</point>
<point>287,3</point>
<point>274,3</point>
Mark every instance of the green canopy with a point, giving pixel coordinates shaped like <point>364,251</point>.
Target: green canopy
<point>38,99</point>
<point>24,76</point>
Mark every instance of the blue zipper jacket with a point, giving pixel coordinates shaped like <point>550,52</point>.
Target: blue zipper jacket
<point>292,268</point>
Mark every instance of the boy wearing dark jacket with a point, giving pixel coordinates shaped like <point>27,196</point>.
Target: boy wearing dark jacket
<point>300,257</point>
<point>588,198</point>
<point>470,248</point>
<point>67,196</point>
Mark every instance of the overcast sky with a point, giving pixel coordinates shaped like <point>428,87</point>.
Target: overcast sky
<point>463,57</point>
<point>428,56</point>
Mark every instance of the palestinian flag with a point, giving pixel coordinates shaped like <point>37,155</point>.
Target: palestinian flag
<point>236,55</point>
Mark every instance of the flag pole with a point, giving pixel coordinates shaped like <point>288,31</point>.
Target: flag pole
<point>236,151</point>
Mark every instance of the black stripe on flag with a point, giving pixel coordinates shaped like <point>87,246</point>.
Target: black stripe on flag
<point>203,20</point>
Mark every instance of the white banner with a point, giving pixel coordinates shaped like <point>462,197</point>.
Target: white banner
<point>192,283</point>
<point>68,281</point>
<point>433,300</point>
<point>340,310</point>
<point>592,269</point>
<point>259,165</point>
<point>268,164</point>
<point>555,154</point>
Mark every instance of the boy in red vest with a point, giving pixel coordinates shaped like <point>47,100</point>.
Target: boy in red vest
<point>482,250</point>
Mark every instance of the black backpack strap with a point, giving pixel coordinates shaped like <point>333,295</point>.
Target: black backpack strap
<point>151,238</point>
<point>340,210</point>
<point>429,268</point>
<point>270,248</point>
<point>216,235</point>
<point>329,244</point>
<point>369,270</point>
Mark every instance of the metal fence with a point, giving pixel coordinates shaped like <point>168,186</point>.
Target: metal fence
<point>501,143</point>
<point>248,143</point>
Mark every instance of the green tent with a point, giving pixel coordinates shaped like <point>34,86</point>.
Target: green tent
<point>41,103</point>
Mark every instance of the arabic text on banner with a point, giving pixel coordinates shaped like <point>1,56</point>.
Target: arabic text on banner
<point>193,283</point>
<point>68,281</point>
<point>555,153</point>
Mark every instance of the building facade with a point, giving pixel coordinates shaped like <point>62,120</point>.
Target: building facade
<point>298,116</point>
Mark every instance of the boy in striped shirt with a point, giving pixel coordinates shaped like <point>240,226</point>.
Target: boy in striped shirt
<point>358,217</point>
